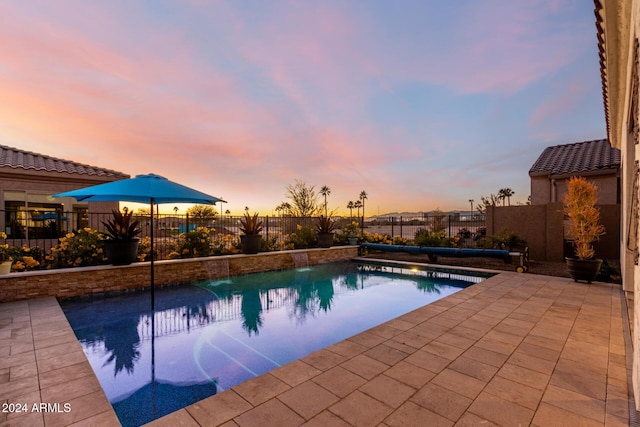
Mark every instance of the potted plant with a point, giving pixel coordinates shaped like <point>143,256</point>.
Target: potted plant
<point>584,228</point>
<point>121,243</point>
<point>324,228</point>
<point>351,230</point>
<point>5,258</point>
<point>251,240</point>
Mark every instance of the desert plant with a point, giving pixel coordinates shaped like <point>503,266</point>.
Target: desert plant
<point>250,224</point>
<point>583,216</point>
<point>325,224</point>
<point>121,226</point>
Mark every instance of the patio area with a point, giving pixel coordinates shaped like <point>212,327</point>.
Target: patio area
<point>516,349</point>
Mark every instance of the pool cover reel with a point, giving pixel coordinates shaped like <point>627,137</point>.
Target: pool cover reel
<point>434,252</point>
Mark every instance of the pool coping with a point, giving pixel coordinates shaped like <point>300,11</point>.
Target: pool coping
<point>515,348</point>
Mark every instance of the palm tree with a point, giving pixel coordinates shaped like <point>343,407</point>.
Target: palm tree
<point>350,206</point>
<point>363,195</point>
<point>506,193</point>
<point>358,205</point>
<point>325,191</point>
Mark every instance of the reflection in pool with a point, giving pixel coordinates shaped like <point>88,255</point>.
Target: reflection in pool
<point>208,337</point>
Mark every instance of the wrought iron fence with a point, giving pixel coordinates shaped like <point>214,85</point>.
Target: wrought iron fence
<point>43,229</point>
<point>469,228</point>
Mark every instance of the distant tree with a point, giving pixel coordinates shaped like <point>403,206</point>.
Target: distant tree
<point>363,196</point>
<point>505,193</point>
<point>492,200</point>
<point>325,191</point>
<point>350,206</point>
<point>175,210</point>
<point>304,200</point>
<point>202,215</point>
<point>283,208</point>
<point>358,205</point>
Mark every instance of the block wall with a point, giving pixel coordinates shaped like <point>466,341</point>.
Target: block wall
<point>65,283</point>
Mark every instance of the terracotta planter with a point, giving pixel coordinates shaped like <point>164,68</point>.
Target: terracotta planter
<point>325,240</point>
<point>5,267</point>
<point>250,243</point>
<point>121,252</point>
<point>583,269</point>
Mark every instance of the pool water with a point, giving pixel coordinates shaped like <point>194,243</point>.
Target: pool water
<point>207,337</point>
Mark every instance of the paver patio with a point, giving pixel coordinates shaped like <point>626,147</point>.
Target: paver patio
<point>516,349</point>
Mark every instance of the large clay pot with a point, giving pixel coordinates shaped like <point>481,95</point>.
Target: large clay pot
<point>325,240</point>
<point>583,269</point>
<point>250,243</point>
<point>121,252</point>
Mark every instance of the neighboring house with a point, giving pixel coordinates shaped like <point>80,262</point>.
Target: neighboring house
<point>595,160</point>
<point>27,181</point>
<point>618,30</point>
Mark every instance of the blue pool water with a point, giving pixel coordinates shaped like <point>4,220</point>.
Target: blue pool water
<point>208,337</point>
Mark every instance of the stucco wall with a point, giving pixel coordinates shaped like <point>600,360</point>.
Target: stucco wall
<point>544,190</point>
<point>71,282</point>
<point>542,226</point>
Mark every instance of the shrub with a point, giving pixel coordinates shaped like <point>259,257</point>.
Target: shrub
<point>144,249</point>
<point>583,215</point>
<point>505,239</point>
<point>399,240</point>
<point>271,242</point>
<point>26,258</point>
<point>424,237</point>
<point>193,244</point>
<point>464,233</point>
<point>304,237</point>
<point>351,229</point>
<point>78,249</point>
<point>223,245</point>
<point>384,239</point>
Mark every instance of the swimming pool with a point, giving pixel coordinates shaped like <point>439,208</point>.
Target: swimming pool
<point>210,336</point>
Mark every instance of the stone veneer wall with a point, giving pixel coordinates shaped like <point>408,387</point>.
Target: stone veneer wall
<point>70,282</point>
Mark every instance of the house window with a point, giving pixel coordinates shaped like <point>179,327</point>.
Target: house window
<point>31,215</point>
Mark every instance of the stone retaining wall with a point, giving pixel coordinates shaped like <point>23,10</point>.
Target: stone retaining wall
<point>70,282</point>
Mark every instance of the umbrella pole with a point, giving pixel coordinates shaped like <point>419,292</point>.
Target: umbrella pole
<point>153,299</point>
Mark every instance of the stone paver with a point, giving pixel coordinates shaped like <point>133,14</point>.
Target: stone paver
<point>512,350</point>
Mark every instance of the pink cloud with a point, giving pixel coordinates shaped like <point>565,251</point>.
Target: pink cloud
<point>216,92</point>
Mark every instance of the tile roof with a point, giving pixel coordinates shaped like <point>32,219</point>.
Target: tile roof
<point>21,159</point>
<point>602,48</point>
<point>576,158</point>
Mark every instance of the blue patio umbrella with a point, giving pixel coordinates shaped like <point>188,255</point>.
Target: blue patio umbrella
<point>150,188</point>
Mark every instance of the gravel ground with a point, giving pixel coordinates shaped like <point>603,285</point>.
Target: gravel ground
<point>558,269</point>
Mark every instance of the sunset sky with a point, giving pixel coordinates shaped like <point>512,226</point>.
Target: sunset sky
<point>422,104</point>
